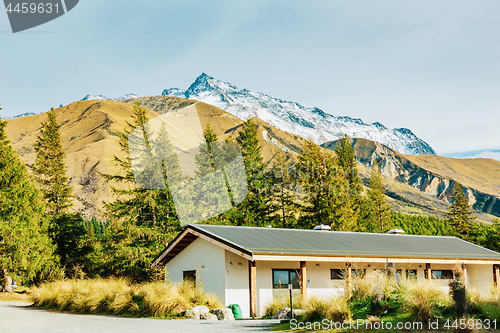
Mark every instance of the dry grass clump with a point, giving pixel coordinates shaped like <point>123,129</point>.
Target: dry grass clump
<point>486,305</point>
<point>423,300</point>
<point>367,286</point>
<point>119,297</point>
<point>336,308</point>
<point>279,303</point>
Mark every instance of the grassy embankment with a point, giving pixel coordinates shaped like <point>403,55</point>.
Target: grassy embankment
<point>119,297</point>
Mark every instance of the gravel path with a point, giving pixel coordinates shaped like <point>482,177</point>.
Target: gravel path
<point>17,317</point>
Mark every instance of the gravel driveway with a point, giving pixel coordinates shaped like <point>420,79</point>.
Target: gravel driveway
<point>17,317</point>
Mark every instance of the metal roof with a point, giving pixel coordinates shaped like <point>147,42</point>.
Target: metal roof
<point>338,243</point>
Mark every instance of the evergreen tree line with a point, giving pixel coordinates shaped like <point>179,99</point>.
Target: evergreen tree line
<point>41,239</point>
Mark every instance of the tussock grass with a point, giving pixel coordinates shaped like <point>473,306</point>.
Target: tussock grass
<point>367,286</point>
<point>423,300</point>
<point>335,308</point>
<point>120,297</point>
<point>484,305</point>
<point>279,303</point>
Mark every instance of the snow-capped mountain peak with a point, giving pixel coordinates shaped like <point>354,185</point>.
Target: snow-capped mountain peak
<point>207,84</point>
<point>294,118</point>
<point>127,96</point>
<point>102,97</point>
<point>94,98</point>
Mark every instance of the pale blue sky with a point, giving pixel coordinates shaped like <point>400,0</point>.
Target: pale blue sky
<point>431,66</point>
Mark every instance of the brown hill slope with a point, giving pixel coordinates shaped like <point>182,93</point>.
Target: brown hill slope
<point>434,175</point>
<point>88,131</point>
<point>416,184</point>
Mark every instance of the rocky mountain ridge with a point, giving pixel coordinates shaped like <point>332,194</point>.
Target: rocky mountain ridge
<point>296,119</point>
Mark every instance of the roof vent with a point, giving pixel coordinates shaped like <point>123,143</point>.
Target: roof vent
<point>396,231</point>
<point>322,227</point>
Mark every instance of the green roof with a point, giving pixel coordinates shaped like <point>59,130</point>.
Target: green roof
<point>275,241</point>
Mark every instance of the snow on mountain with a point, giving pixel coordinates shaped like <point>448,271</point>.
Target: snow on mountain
<point>20,115</point>
<point>94,98</point>
<point>102,97</point>
<point>127,96</point>
<point>294,118</point>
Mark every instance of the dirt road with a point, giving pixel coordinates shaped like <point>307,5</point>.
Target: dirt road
<point>17,317</point>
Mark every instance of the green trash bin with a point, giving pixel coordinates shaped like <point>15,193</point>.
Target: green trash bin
<point>235,308</point>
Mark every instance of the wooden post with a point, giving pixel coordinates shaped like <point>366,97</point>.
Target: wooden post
<point>391,271</point>
<point>464,274</point>
<point>496,276</point>
<point>428,272</point>
<point>252,288</point>
<point>348,280</point>
<point>303,280</point>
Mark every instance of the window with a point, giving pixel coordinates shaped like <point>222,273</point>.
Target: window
<point>410,274</point>
<point>442,274</point>
<point>189,276</point>
<point>340,274</point>
<point>337,274</point>
<point>283,277</point>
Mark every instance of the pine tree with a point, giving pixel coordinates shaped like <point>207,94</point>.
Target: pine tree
<point>460,214</point>
<point>49,168</point>
<point>146,206</point>
<point>212,184</point>
<point>324,190</point>
<point>347,161</point>
<point>143,217</point>
<point>25,248</point>
<point>65,230</point>
<point>283,189</point>
<point>380,210</point>
<point>255,209</point>
<point>352,201</point>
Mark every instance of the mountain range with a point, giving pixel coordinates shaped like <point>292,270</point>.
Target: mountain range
<point>295,118</point>
<point>418,184</point>
<point>290,116</point>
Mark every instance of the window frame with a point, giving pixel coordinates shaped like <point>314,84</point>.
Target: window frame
<point>449,276</point>
<point>190,273</point>
<point>289,270</point>
<point>343,272</point>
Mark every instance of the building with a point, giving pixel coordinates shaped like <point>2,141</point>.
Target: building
<point>249,266</point>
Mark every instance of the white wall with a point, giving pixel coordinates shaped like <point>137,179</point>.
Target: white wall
<point>480,277</point>
<point>265,281</point>
<point>198,254</point>
<point>237,282</point>
<point>319,282</point>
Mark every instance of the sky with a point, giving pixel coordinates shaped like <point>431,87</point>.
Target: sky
<point>430,66</point>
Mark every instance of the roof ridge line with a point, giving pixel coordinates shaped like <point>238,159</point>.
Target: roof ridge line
<point>311,230</point>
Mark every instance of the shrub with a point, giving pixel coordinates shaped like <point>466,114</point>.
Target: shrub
<point>275,305</point>
<point>336,308</point>
<point>120,297</point>
<point>422,300</point>
<point>367,286</point>
<point>486,306</point>
<point>279,303</point>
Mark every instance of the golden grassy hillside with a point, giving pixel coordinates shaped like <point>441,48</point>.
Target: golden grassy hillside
<point>88,132</point>
<point>87,129</point>
<point>88,137</point>
<point>479,173</point>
